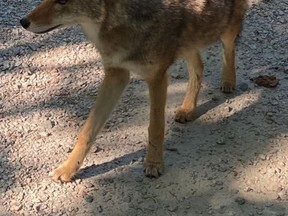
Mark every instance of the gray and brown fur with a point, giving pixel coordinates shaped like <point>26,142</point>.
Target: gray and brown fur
<point>144,37</point>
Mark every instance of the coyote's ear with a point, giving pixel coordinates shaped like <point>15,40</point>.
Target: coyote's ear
<point>62,2</point>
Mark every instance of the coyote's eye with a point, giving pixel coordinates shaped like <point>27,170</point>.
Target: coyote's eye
<point>62,2</point>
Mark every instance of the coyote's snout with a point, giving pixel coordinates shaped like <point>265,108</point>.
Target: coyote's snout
<point>52,14</point>
<point>144,37</point>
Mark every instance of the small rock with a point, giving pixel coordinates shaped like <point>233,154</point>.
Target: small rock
<point>69,150</point>
<point>231,136</point>
<point>78,181</point>
<point>270,114</point>
<point>234,191</point>
<point>43,197</point>
<point>44,134</point>
<point>99,209</point>
<point>220,142</point>
<point>286,69</point>
<point>248,189</point>
<point>262,157</point>
<point>281,164</point>
<point>128,199</point>
<point>20,196</point>
<point>240,201</point>
<point>173,208</point>
<point>229,109</point>
<point>253,46</point>
<point>231,213</point>
<point>89,198</point>
<point>243,86</point>
<point>96,149</point>
<point>269,204</point>
<point>33,47</point>
<point>274,103</point>
<point>37,207</point>
<point>89,185</point>
<point>210,92</point>
<point>222,169</point>
<point>16,207</point>
<point>282,195</point>
<point>5,66</point>
<point>217,182</point>
<point>188,206</point>
<point>176,76</point>
<point>210,212</point>
<point>215,98</point>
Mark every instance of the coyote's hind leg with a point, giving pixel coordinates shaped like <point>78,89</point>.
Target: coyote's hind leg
<point>195,70</point>
<point>228,79</point>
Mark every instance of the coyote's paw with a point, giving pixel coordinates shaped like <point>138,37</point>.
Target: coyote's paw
<point>153,170</point>
<point>64,173</point>
<point>227,86</point>
<point>184,115</point>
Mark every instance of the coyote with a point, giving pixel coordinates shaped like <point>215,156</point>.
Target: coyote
<point>144,37</point>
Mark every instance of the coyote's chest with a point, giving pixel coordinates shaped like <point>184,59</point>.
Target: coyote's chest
<point>115,56</point>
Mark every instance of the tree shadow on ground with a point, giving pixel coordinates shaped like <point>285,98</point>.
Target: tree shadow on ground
<point>207,161</point>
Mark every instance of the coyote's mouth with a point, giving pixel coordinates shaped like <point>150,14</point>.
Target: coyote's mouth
<point>48,30</point>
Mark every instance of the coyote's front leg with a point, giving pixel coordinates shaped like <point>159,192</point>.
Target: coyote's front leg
<point>113,85</point>
<point>154,158</point>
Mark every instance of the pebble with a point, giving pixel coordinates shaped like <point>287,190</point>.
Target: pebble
<point>210,212</point>
<point>99,209</point>
<point>16,207</point>
<point>37,207</point>
<point>173,208</point>
<point>248,189</point>
<point>89,198</point>
<point>243,86</point>
<point>215,98</point>
<point>20,196</point>
<point>262,157</point>
<point>283,195</point>
<point>269,204</point>
<point>210,92</point>
<point>231,213</point>
<point>231,135</point>
<point>5,66</point>
<point>240,201</point>
<point>270,114</point>
<point>220,142</point>
<point>274,103</point>
<point>234,191</point>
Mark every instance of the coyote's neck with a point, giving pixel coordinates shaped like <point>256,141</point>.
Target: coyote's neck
<point>91,31</point>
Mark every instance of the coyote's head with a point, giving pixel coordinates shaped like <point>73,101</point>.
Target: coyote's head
<point>52,14</point>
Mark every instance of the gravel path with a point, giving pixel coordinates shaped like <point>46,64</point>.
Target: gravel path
<point>232,160</point>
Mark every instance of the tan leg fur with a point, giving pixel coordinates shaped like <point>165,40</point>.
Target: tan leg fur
<point>195,69</point>
<point>113,85</point>
<point>157,92</point>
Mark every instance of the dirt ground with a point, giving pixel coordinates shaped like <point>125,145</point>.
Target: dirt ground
<point>232,160</point>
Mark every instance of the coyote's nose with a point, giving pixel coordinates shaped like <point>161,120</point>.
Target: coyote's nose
<point>25,23</point>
